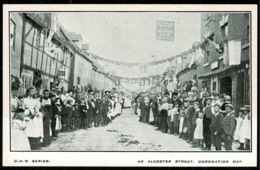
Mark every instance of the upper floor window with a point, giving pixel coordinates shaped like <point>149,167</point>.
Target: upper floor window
<point>12,34</point>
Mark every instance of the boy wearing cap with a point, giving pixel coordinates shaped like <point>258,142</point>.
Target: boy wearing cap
<point>228,125</point>
<point>216,131</point>
<point>207,112</point>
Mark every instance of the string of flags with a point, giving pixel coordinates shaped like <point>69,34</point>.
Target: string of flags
<point>170,59</point>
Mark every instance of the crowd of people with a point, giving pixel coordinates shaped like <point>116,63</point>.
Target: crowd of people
<point>203,119</point>
<point>38,118</point>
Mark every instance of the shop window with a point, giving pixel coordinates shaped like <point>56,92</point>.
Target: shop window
<point>27,54</point>
<point>12,34</point>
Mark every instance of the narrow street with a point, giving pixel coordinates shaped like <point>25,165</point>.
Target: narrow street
<point>126,133</point>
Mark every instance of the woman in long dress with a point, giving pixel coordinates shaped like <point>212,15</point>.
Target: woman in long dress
<point>34,128</point>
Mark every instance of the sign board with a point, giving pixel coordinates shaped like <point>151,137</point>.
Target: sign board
<point>165,30</point>
<point>214,65</point>
<point>60,73</point>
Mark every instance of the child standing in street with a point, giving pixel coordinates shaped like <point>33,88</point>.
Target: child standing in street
<point>198,133</point>
<point>19,139</point>
<point>239,122</point>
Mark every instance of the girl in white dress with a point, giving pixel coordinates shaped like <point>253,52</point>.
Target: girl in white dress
<point>245,130</point>
<point>239,122</point>
<point>34,128</point>
<point>19,139</point>
<point>198,133</point>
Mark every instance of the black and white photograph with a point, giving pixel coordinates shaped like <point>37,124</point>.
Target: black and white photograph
<point>119,81</point>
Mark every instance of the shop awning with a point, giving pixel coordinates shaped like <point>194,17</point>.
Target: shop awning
<point>216,72</point>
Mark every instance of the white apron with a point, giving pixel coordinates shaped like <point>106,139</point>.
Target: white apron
<point>245,130</point>
<point>238,127</point>
<point>35,125</point>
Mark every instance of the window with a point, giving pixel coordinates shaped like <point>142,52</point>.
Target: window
<point>34,57</point>
<point>37,38</point>
<point>44,59</point>
<point>39,60</point>
<point>27,54</point>
<point>214,86</point>
<point>12,34</point>
<point>45,83</point>
<point>48,64</point>
<point>27,82</point>
<point>53,67</point>
<point>29,35</point>
<point>206,57</point>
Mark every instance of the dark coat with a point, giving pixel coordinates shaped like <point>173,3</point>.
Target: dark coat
<point>216,122</point>
<point>229,124</point>
<point>195,116</point>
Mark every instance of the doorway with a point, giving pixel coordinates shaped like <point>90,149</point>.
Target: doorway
<point>226,86</point>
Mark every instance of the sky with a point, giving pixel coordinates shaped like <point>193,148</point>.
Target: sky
<point>131,36</point>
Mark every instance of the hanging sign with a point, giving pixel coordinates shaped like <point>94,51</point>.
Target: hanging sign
<point>165,30</point>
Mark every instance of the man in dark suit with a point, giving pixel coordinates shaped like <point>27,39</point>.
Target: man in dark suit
<point>228,125</point>
<point>104,110</point>
<point>215,127</point>
<point>207,112</point>
<point>95,112</point>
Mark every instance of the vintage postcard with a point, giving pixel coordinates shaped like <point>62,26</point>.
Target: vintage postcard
<point>130,85</point>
